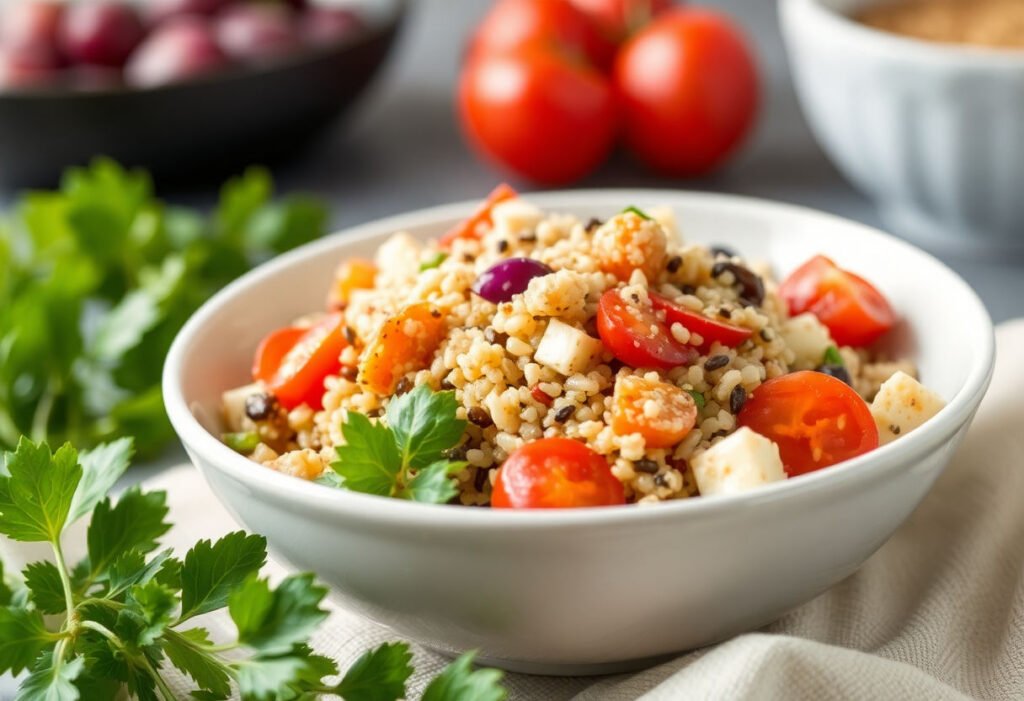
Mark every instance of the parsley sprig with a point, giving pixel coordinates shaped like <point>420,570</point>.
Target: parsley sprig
<point>404,458</point>
<point>127,609</point>
<point>97,277</point>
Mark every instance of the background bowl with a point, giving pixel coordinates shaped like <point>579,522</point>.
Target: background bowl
<point>933,133</point>
<point>209,125</point>
<point>590,590</point>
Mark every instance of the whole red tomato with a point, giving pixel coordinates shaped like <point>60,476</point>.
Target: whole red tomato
<point>553,24</point>
<point>688,91</point>
<point>538,112</point>
<point>617,19</point>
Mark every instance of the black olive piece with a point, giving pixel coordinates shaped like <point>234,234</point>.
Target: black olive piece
<point>457,453</point>
<point>593,224</point>
<point>480,479</point>
<point>716,362</point>
<point>403,386</point>
<point>350,334</point>
<point>447,385</point>
<point>674,263</point>
<point>688,289</point>
<point>660,481</point>
<point>480,417</point>
<point>502,246</point>
<point>565,413</point>
<point>350,372</point>
<point>721,250</point>
<point>837,371</point>
<point>751,286</point>
<point>259,407</point>
<point>645,465</point>
<point>737,398</point>
<point>492,336</point>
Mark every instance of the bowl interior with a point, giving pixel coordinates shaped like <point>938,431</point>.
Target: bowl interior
<point>943,327</point>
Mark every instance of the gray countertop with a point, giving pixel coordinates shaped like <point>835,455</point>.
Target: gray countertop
<point>402,149</point>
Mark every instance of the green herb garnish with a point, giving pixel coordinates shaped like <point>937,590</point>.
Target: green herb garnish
<point>126,610</point>
<point>637,211</point>
<point>97,277</point>
<point>434,261</point>
<point>833,357</point>
<point>405,457</point>
<point>698,399</point>
<point>244,442</point>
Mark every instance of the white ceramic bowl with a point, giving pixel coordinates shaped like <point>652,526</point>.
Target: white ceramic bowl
<point>591,590</point>
<point>933,133</point>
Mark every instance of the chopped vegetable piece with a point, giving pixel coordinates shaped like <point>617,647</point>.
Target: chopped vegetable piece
<point>751,286</point>
<point>833,357</point>
<point>629,242</point>
<point>244,442</point>
<point>698,399</point>
<point>708,329</point>
<point>554,473</point>
<point>296,374</point>
<point>353,274</point>
<point>470,228</point>
<point>404,343</point>
<point>567,349</point>
<point>855,313</point>
<point>660,412</point>
<point>816,420</point>
<point>434,261</point>
<point>508,278</point>
<point>637,337</point>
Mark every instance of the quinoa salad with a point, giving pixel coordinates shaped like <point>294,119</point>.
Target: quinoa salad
<point>538,359</point>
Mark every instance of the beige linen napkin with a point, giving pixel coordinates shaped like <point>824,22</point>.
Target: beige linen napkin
<point>937,613</point>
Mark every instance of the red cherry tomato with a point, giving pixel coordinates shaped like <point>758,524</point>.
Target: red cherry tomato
<point>617,19</point>
<point>294,362</point>
<point>470,227</point>
<point>855,313</point>
<point>637,337</point>
<point>553,24</point>
<point>539,113</point>
<point>709,329</point>
<point>555,473</point>
<point>688,89</point>
<point>815,419</point>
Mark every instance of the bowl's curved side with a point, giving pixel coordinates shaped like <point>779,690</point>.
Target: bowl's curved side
<point>575,590</point>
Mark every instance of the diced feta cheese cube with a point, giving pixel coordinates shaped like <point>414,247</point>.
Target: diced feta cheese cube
<point>515,216</point>
<point>567,349</point>
<point>739,462</point>
<point>901,405</point>
<point>807,338</point>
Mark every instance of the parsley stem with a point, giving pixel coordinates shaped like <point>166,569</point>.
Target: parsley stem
<point>65,581</point>
<point>41,417</point>
<point>165,691</point>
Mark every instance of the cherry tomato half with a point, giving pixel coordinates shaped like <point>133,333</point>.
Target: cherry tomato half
<point>538,112</point>
<point>555,473</point>
<point>855,313</point>
<point>637,337</point>
<point>294,362</point>
<point>815,419</point>
<point>709,329</point>
<point>470,227</point>
<point>688,88</point>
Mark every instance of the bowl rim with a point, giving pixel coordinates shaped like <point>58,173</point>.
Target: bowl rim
<point>208,450</point>
<point>899,46</point>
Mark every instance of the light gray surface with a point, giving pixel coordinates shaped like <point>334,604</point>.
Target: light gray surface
<point>402,149</point>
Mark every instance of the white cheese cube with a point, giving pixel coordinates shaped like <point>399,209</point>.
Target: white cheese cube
<point>737,463</point>
<point>901,405</point>
<point>666,216</point>
<point>567,349</point>
<point>515,216</point>
<point>807,338</point>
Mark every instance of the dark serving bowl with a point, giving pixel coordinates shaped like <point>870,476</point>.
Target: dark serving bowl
<point>204,127</point>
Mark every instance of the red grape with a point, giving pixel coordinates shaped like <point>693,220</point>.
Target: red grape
<point>256,31</point>
<point>100,33</point>
<point>32,25</point>
<point>325,25</point>
<point>181,48</point>
<point>159,10</point>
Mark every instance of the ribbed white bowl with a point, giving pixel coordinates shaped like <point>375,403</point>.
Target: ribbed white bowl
<point>933,133</point>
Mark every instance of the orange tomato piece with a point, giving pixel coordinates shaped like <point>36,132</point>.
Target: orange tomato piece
<point>660,412</point>
<point>630,242</point>
<point>469,228</point>
<point>352,274</point>
<point>405,342</point>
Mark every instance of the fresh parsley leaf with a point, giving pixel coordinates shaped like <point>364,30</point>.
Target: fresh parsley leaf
<point>274,678</point>
<point>273,621</point>
<point>833,357</point>
<point>369,462</point>
<point>698,399</point>
<point>379,675</point>
<point>434,261</point>
<point>425,425</point>
<point>212,570</point>
<point>185,650</point>
<point>131,568</point>
<point>6,590</point>
<point>134,523</point>
<point>459,681</point>
<point>46,590</point>
<point>36,498</point>
<point>637,211</point>
<point>23,636</point>
<point>50,682</point>
<point>432,484</point>
<point>101,468</point>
